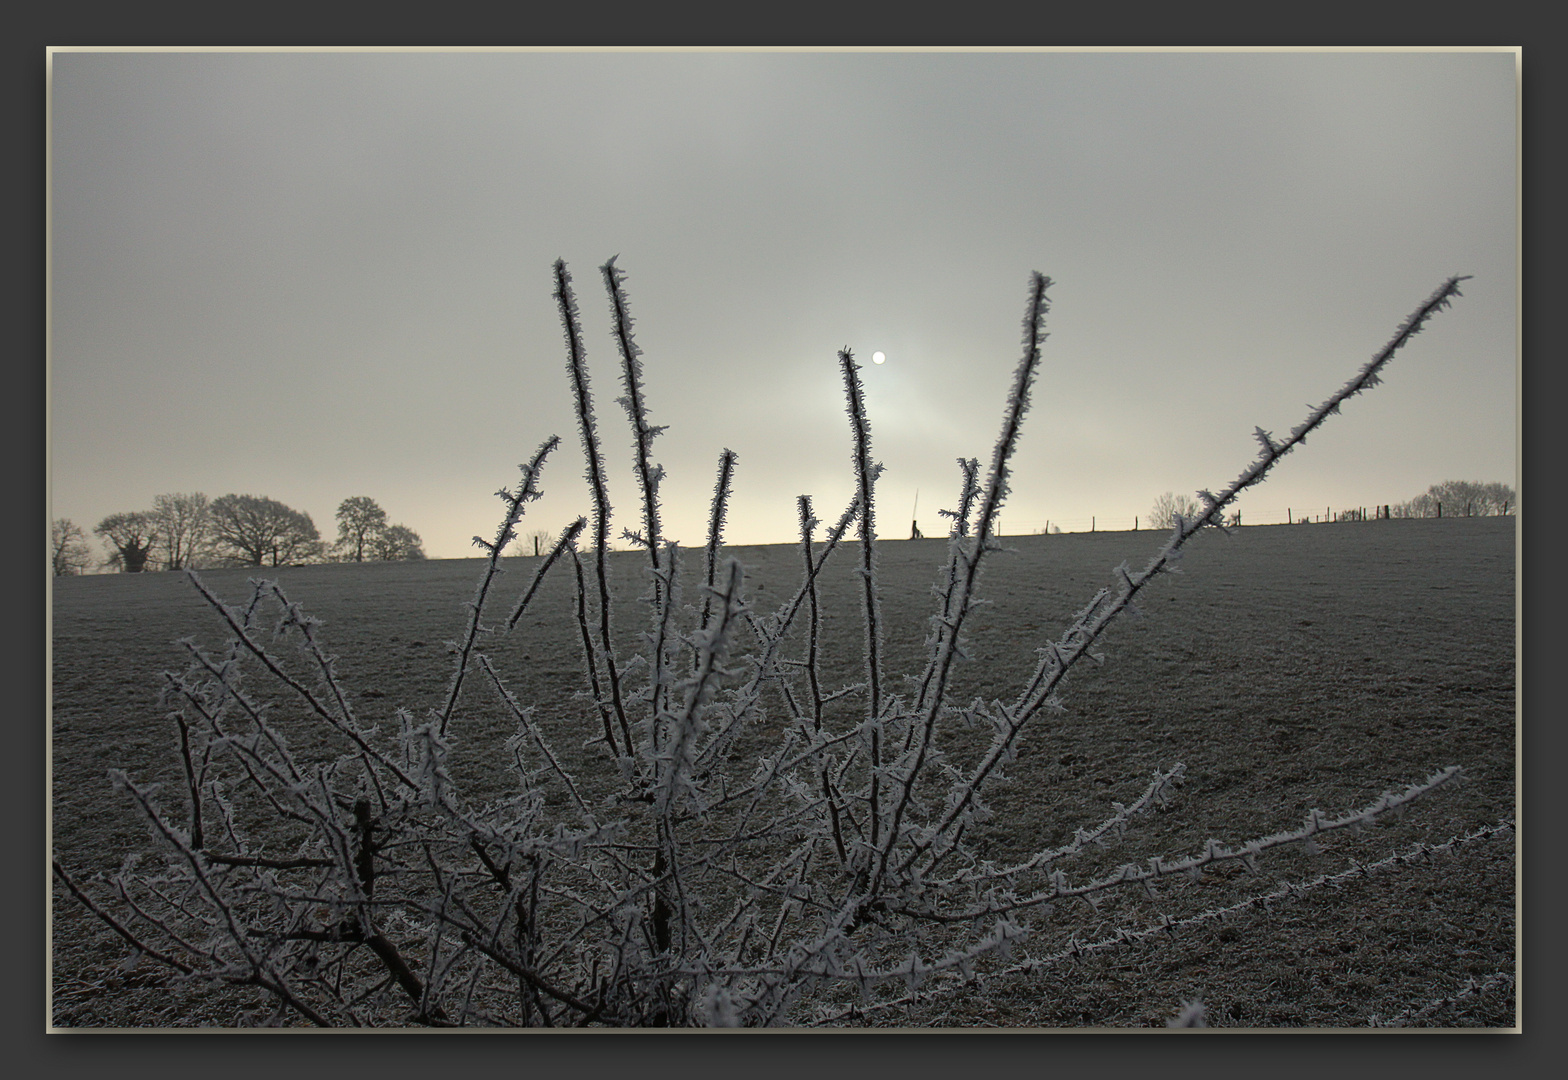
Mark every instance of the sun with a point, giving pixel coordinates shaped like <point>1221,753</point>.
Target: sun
<point>879,358</point>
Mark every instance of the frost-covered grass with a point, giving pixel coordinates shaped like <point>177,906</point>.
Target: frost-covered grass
<point>807,803</point>
<point>1287,668</point>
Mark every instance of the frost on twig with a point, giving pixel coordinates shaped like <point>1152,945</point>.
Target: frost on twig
<point>1472,988</point>
<point>730,839</point>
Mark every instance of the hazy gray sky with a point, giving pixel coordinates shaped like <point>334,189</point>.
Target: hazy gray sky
<point>316,275</point>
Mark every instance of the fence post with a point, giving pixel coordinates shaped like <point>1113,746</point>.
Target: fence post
<point>1439,509</point>
<point>1287,516</point>
<point>1091,524</point>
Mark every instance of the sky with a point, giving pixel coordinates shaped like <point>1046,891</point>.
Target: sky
<point>311,275</point>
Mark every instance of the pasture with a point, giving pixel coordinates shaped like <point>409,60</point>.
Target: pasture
<point>1287,667</point>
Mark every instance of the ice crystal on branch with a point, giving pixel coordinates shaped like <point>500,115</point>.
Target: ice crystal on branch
<point>734,840</point>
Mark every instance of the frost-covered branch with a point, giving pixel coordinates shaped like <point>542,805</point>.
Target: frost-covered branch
<point>516,501</point>
<point>866,473</point>
<point>738,843</point>
<point>1059,657</point>
<point>716,515</point>
<point>582,399</point>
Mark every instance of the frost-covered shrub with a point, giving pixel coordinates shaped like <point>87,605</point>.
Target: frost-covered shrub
<point>746,845</point>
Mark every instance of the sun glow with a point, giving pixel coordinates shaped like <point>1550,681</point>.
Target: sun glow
<point>879,358</point>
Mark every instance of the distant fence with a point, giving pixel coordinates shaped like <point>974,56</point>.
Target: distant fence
<point>1288,515</point>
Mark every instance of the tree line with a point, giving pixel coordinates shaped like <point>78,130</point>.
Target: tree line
<point>1459,498</point>
<point>189,531</point>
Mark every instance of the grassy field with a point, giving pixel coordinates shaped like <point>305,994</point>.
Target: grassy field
<point>1288,667</point>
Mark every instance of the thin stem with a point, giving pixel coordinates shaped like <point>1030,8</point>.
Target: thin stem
<point>865,477</point>
<point>1094,619</point>
<point>716,515</point>
<point>577,368</point>
<point>526,491</point>
<point>959,601</point>
<point>567,539</point>
<point>648,474</point>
